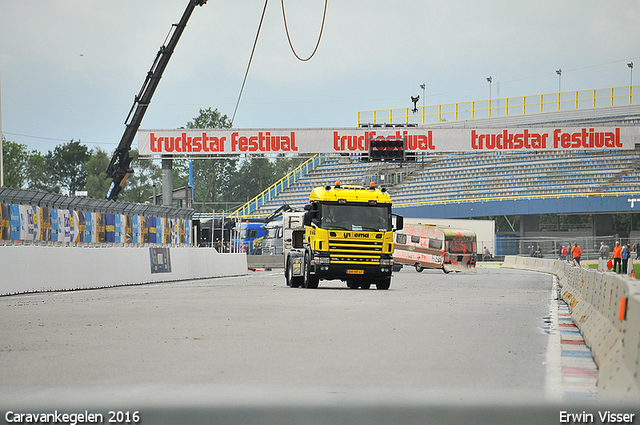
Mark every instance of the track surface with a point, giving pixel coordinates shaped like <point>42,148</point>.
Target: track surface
<point>460,337</point>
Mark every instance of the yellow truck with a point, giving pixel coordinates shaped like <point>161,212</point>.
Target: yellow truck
<point>349,236</point>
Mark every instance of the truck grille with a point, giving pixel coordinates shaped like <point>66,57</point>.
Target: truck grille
<point>355,251</point>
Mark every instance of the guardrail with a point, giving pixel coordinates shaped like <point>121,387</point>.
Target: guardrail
<point>519,105</point>
<point>606,308</point>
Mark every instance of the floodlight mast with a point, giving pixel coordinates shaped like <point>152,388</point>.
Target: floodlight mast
<point>119,167</point>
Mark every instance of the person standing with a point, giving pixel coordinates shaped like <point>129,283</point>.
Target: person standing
<point>576,251</point>
<point>564,253</point>
<point>604,251</point>
<point>487,254</point>
<point>625,258</point>
<point>617,258</point>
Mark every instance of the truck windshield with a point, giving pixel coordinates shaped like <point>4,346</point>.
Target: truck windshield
<point>373,218</point>
<point>272,233</point>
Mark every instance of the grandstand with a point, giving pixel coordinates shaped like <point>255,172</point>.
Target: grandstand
<point>473,184</point>
<point>493,175</point>
<point>464,176</point>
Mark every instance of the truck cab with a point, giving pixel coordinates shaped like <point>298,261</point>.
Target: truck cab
<point>272,240</point>
<point>349,236</point>
<point>246,234</point>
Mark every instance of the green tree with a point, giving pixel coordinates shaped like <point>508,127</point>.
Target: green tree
<point>15,158</point>
<point>209,119</point>
<point>139,185</point>
<point>38,173</point>
<point>211,173</point>
<point>255,174</point>
<point>66,163</point>
<point>96,168</point>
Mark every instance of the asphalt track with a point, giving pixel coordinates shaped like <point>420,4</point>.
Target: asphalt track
<point>435,338</point>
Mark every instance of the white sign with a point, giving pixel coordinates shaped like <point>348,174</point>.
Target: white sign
<point>356,140</point>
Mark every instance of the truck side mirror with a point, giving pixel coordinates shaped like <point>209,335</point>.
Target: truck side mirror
<point>307,218</point>
<point>399,222</point>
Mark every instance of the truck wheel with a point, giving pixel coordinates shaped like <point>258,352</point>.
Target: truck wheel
<point>287,274</point>
<point>419,268</point>
<point>310,281</point>
<point>293,281</point>
<point>384,284</point>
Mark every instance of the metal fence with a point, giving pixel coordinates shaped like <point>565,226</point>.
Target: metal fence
<point>42,218</point>
<point>551,246</point>
<point>9,195</point>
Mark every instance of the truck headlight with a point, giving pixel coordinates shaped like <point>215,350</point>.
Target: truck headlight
<point>386,261</point>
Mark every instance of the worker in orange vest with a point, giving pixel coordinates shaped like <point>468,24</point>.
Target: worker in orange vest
<point>617,258</point>
<point>576,252</point>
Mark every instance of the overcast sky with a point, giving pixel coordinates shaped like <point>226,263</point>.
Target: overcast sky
<point>69,69</point>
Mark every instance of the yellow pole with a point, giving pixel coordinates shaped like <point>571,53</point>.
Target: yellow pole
<point>541,102</point>
<point>612,96</point>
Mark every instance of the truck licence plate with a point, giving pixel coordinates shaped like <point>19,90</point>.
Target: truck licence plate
<point>355,271</point>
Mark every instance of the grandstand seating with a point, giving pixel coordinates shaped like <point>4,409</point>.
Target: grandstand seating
<point>472,175</point>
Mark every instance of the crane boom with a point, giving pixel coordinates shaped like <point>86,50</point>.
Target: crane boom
<point>119,167</point>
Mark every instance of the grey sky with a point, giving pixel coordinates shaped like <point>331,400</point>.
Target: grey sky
<point>69,69</point>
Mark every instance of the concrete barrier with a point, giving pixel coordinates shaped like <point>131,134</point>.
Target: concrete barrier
<point>265,261</point>
<point>40,268</point>
<point>606,308</point>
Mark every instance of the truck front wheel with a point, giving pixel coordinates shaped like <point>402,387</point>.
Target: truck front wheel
<point>384,284</point>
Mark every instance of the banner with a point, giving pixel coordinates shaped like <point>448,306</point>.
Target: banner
<point>110,227</point>
<point>45,224</point>
<point>356,140</point>
<point>152,229</point>
<point>5,220</point>
<point>136,226</point>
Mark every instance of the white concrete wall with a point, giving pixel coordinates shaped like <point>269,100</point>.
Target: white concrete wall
<point>605,306</point>
<point>40,268</point>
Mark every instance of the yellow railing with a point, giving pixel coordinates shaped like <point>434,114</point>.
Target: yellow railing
<point>514,198</point>
<point>509,106</point>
